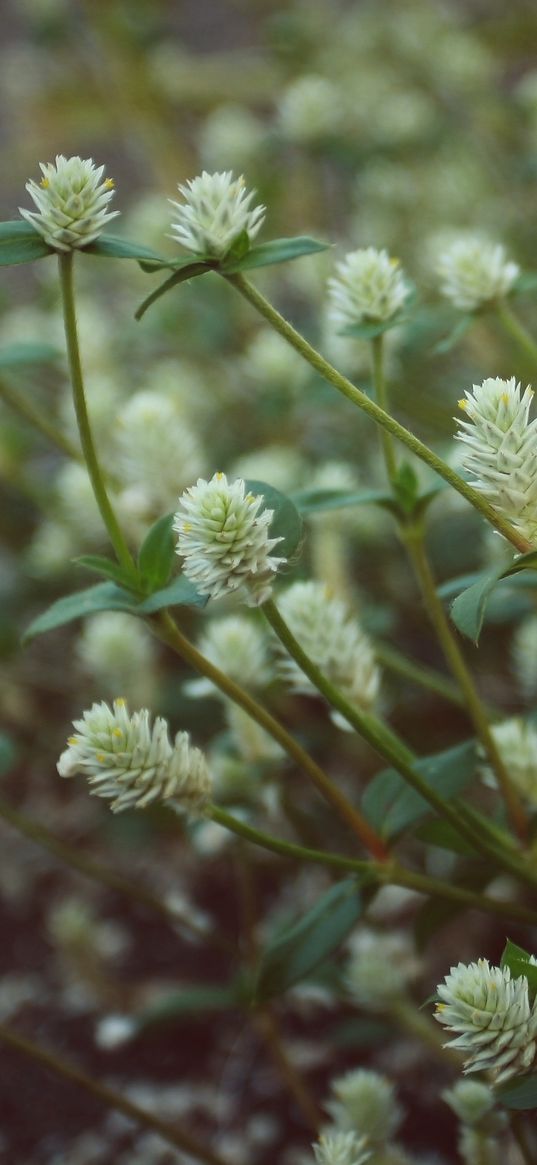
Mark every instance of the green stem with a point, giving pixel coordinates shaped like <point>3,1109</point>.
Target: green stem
<point>173,1134</point>
<point>385,873</point>
<point>39,421</point>
<point>412,536</point>
<point>520,1135</point>
<point>373,410</point>
<point>102,875</point>
<point>516,330</point>
<point>381,396</point>
<point>169,632</point>
<point>417,673</point>
<point>86,437</point>
<point>378,735</point>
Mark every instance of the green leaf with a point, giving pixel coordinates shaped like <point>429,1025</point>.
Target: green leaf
<point>21,243</point>
<point>33,353</point>
<point>526,282</point>
<point>518,962</point>
<point>369,329</point>
<point>192,1001</point>
<point>8,753</point>
<point>239,248</point>
<point>312,501</point>
<point>286,521</point>
<point>457,332</point>
<point>519,1094</point>
<point>444,835</point>
<point>106,567</point>
<point>109,597</point>
<point>277,251</point>
<point>292,955</point>
<point>406,487</point>
<point>156,556</point>
<point>186,269</point>
<point>391,805</point>
<point>511,952</point>
<point>468,609</point>
<point>113,247</point>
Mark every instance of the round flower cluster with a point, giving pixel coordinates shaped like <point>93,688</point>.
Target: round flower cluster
<point>341,1149</point>
<point>215,211</point>
<point>365,1102</point>
<point>501,447</point>
<point>72,201</point>
<point>517,744</point>
<point>223,539</point>
<point>492,1013</point>
<point>369,287</point>
<point>474,272</point>
<point>132,764</point>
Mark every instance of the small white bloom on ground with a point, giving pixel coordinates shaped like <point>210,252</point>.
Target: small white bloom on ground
<point>72,202</point>
<point>334,641</point>
<point>501,449</point>
<point>474,271</point>
<point>492,1013</point>
<point>365,1102</point>
<point>132,764</point>
<point>223,538</point>
<point>215,211</point>
<point>341,1149</point>
<point>369,287</point>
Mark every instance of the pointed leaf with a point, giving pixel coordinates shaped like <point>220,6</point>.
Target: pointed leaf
<point>109,597</point>
<point>286,521</point>
<point>292,955</point>
<point>106,567</point>
<point>113,247</point>
<point>312,501</point>
<point>190,1001</point>
<point>369,329</point>
<point>179,593</point>
<point>391,805</point>
<point>188,270</point>
<point>156,556</point>
<point>468,609</point>
<point>21,243</point>
<point>34,353</point>
<point>457,332</point>
<point>519,1094</point>
<point>512,952</point>
<point>277,251</point>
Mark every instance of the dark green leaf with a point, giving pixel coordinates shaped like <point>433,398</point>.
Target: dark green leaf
<point>519,1094</point>
<point>444,835</point>
<point>109,597</point>
<point>21,243</point>
<point>106,567</point>
<point>392,806</point>
<point>239,248</point>
<point>33,353</point>
<point>512,952</point>
<point>8,753</point>
<point>189,1002</point>
<point>526,282</point>
<point>457,332</point>
<point>188,269</point>
<point>156,556</point>
<point>286,522</point>
<point>468,609</point>
<point>277,251</point>
<point>113,247</point>
<point>372,328</point>
<point>361,1033</point>
<point>179,593</point>
<point>296,952</point>
<point>311,501</point>
<point>406,487</point>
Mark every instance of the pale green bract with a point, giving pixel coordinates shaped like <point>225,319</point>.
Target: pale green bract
<point>215,211</point>
<point>341,1149</point>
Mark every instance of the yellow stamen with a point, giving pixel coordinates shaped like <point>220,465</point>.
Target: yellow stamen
<point>120,702</point>
<point>44,183</point>
<point>109,183</point>
<point>463,404</point>
<point>100,757</point>
<point>73,740</point>
<point>505,398</point>
<point>187,526</point>
<point>117,732</point>
<point>219,476</point>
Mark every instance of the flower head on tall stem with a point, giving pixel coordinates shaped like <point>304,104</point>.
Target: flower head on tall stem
<point>132,764</point>
<point>215,211</point>
<point>369,287</point>
<point>223,538</point>
<point>72,202</point>
<point>474,271</point>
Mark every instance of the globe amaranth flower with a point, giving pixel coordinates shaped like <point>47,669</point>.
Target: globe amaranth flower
<point>365,1102</point>
<point>492,1013</point>
<point>516,740</point>
<point>524,656</point>
<point>333,640</point>
<point>223,538</point>
<point>474,271</point>
<point>340,1148</point>
<point>215,211</point>
<point>132,764</point>
<point>369,287</point>
<point>72,202</point>
<point>501,449</point>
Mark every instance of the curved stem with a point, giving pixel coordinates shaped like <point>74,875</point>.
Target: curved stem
<point>86,437</point>
<point>420,674</point>
<point>412,536</point>
<point>39,421</point>
<point>169,632</point>
<point>385,873</point>
<point>173,1134</point>
<point>515,329</point>
<point>373,410</point>
<point>381,396</point>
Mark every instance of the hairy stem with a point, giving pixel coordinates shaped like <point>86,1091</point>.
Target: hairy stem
<point>381,396</point>
<point>108,515</point>
<point>373,410</point>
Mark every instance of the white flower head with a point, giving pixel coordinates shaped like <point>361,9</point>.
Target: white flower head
<point>492,1013</point>
<point>501,448</point>
<point>72,202</point>
<point>380,968</point>
<point>470,1100</point>
<point>474,271</point>
<point>156,448</point>
<point>365,1102</point>
<point>311,109</point>
<point>223,539</point>
<point>334,641</point>
<point>340,1148</point>
<point>132,764</point>
<point>216,209</point>
<point>238,646</point>
<point>524,656</point>
<point>516,740</point>
<point>369,287</point>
